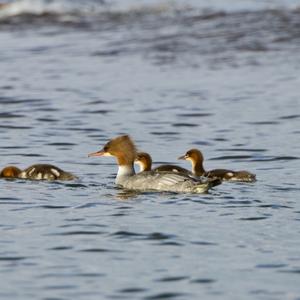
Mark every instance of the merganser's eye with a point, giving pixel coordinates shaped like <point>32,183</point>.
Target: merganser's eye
<point>105,148</point>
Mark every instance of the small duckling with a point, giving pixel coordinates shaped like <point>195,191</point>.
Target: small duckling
<point>144,161</point>
<point>37,172</point>
<point>196,158</point>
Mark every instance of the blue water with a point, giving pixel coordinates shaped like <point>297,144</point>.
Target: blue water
<point>222,77</point>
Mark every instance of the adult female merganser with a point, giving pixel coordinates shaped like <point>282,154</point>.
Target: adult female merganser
<point>196,158</point>
<point>37,172</point>
<point>144,161</point>
<point>124,150</point>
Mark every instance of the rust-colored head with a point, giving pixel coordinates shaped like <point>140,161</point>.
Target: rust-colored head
<point>10,172</point>
<point>122,147</point>
<point>144,160</point>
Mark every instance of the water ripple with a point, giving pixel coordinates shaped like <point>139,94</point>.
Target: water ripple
<point>77,232</point>
<point>61,144</point>
<point>132,290</point>
<point>9,115</point>
<point>170,243</point>
<point>167,133</point>
<point>9,199</point>
<point>184,125</point>
<point>253,218</point>
<point>155,236</point>
<point>15,127</point>
<point>289,117</point>
<point>12,258</point>
<point>60,248</point>
<point>231,157</point>
<point>275,206</point>
<point>194,115</point>
<point>275,158</point>
<point>166,295</point>
<point>203,280</point>
<point>172,278</point>
<point>203,243</point>
<point>99,250</point>
<point>270,266</point>
<point>291,271</point>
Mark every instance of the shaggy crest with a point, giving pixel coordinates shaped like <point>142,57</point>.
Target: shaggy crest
<point>123,148</point>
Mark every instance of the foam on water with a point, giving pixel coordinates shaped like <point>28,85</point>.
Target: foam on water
<point>42,7</point>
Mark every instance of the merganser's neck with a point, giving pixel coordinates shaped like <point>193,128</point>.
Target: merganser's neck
<point>124,171</point>
<point>197,167</point>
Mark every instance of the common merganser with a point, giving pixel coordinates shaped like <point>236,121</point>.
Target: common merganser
<point>196,158</point>
<point>37,172</point>
<point>123,148</point>
<point>144,161</point>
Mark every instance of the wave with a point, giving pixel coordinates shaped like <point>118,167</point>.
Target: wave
<point>41,7</point>
<point>76,8</point>
<point>72,10</point>
<point>26,11</point>
<point>163,30</point>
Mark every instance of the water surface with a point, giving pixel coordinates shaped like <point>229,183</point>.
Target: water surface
<point>223,78</point>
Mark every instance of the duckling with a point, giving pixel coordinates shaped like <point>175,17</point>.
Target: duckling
<point>196,158</point>
<point>144,161</point>
<point>37,172</point>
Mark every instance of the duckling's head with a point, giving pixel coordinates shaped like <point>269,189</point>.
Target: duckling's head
<point>122,147</point>
<point>193,155</point>
<point>144,161</point>
<point>10,172</point>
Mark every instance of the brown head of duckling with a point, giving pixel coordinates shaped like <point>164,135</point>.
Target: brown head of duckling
<point>10,172</point>
<point>196,158</point>
<point>144,160</point>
